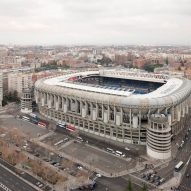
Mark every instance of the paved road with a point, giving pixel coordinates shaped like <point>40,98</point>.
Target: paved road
<point>12,182</point>
<point>186,181</point>
<point>112,184</point>
<point>25,176</point>
<point>182,154</point>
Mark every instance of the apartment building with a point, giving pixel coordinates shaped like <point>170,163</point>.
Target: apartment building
<point>19,81</point>
<point>1,89</point>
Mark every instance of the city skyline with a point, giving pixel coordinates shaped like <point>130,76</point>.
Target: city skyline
<point>103,22</point>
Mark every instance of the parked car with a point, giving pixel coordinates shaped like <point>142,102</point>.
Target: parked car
<point>98,175</point>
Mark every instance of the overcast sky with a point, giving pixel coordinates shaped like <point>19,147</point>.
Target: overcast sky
<point>147,22</point>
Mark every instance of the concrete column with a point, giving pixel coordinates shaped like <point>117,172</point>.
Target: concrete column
<point>57,102</point>
<point>43,99</point>
<point>114,113</point>
<point>63,101</point>
<point>49,101</point>
<point>84,109</point>
<point>121,115</point>
<point>135,121</point>
<point>73,105</point>
<point>178,113</point>
<point>66,106</point>
<point>36,96</point>
<point>118,118</point>
<point>102,112</point>
<point>187,108</point>
<point>94,114</point>
<point>105,117</point>
<point>169,119</point>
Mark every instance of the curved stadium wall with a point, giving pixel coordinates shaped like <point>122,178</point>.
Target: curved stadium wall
<point>111,104</point>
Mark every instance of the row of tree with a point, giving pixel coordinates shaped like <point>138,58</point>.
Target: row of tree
<point>130,187</point>
<point>10,97</point>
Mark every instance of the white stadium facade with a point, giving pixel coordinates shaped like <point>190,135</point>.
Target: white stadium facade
<point>119,105</point>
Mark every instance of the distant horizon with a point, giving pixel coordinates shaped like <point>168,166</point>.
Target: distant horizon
<point>100,45</point>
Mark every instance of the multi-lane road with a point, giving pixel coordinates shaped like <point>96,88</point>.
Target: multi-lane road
<point>10,182</point>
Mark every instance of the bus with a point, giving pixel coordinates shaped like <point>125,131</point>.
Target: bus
<point>179,166</point>
<point>33,115</point>
<point>25,118</point>
<point>42,124</point>
<point>119,153</point>
<point>70,128</point>
<point>79,139</point>
<point>61,125</point>
<point>34,120</point>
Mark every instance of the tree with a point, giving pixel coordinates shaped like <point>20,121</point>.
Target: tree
<point>129,186</point>
<point>166,61</point>
<point>144,188</point>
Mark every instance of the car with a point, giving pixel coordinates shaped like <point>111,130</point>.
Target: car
<point>57,164</point>
<point>147,177</point>
<point>98,175</point>
<point>53,163</point>
<point>127,149</point>
<point>36,154</point>
<point>157,178</point>
<point>80,167</point>
<point>187,175</point>
<point>152,180</point>
<point>46,159</point>
<point>92,186</point>
<point>157,183</point>
<point>117,154</point>
<point>82,188</point>
<point>162,180</point>
<point>40,186</point>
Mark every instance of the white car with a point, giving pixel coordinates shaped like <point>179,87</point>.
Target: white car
<point>80,168</point>
<point>127,149</point>
<point>98,175</point>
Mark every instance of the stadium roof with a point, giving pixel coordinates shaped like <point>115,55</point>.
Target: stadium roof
<point>174,90</point>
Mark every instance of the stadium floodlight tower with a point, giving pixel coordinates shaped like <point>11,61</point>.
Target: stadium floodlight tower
<point>131,107</point>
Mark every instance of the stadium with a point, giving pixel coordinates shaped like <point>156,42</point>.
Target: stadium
<point>120,105</point>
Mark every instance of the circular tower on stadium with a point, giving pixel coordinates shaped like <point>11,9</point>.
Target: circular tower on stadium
<point>159,137</point>
<point>26,101</point>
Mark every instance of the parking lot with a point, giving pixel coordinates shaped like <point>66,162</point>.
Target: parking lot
<point>56,140</point>
<point>25,126</point>
<point>107,162</point>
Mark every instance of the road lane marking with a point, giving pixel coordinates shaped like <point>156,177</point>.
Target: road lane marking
<point>4,187</point>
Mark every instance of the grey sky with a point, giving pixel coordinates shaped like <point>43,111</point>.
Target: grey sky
<point>95,21</point>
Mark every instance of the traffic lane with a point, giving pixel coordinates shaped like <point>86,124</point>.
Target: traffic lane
<point>182,155</point>
<point>13,182</point>
<point>186,181</point>
<point>112,184</point>
<point>26,176</point>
